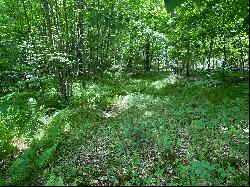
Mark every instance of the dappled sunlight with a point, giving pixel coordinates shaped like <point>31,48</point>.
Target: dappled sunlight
<point>39,134</point>
<point>136,80</point>
<point>21,143</point>
<point>124,93</point>
<point>172,79</point>
<point>120,104</point>
<point>138,131</point>
<point>148,114</point>
<point>77,89</point>
<point>140,101</point>
<point>67,128</point>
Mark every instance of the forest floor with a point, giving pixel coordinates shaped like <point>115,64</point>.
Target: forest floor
<point>136,129</point>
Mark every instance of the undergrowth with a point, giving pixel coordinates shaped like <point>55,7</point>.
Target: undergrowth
<point>155,129</point>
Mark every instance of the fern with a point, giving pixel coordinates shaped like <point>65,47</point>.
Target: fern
<point>53,181</point>
<point>22,167</point>
<point>46,156</point>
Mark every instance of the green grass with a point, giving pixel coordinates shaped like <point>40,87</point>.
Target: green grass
<point>152,129</point>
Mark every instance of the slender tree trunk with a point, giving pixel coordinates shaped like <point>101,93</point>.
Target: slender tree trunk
<point>103,62</point>
<point>16,17</point>
<point>187,59</point>
<point>64,78</point>
<point>241,54</point>
<point>98,35</point>
<point>48,22</point>
<point>157,61</point>
<point>147,63</point>
<point>66,27</point>
<point>79,54</point>
<point>248,55</point>
<point>74,38</point>
<point>26,15</point>
<point>166,56</point>
<point>210,54</point>
<point>108,45</point>
<point>213,64</point>
<point>204,60</point>
<point>28,55</point>
<point>107,55</point>
<point>67,50</point>
<point>88,49</point>
<point>224,53</point>
<point>57,26</point>
<point>61,74</point>
<point>129,65</point>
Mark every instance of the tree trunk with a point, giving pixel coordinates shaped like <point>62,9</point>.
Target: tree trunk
<point>79,52</point>
<point>147,63</point>
<point>166,57</point>
<point>158,64</point>
<point>129,65</point>
<point>66,26</point>
<point>224,53</point>
<point>241,54</point>
<point>60,73</point>
<point>108,44</point>
<point>213,64</point>
<point>204,60</point>
<point>210,54</point>
<point>187,59</point>
<point>48,22</point>
<point>26,15</point>
<point>98,35</point>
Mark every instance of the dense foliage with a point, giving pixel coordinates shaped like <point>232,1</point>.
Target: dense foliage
<point>124,92</point>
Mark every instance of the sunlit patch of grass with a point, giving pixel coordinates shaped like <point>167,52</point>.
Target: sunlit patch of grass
<point>120,104</point>
<point>40,134</point>
<point>20,142</point>
<point>171,79</point>
<point>148,114</point>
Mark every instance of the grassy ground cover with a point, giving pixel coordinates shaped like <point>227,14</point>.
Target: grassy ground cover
<point>138,129</point>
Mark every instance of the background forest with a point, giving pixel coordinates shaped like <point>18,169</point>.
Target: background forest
<point>124,92</point>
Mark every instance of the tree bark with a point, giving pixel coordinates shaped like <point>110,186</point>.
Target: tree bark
<point>48,22</point>
<point>60,72</point>
<point>241,54</point>
<point>66,27</point>
<point>79,50</point>
<point>147,63</point>
<point>98,35</point>
<point>187,59</point>
<point>204,60</point>
<point>210,54</point>
<point>224,53</point>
